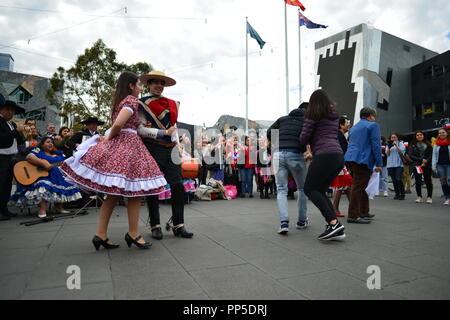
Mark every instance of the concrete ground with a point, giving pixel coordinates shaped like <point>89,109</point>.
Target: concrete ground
<point>235,254</point>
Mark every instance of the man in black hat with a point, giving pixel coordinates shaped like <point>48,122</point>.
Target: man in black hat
<point>92,124</point>
<point>10,139</point>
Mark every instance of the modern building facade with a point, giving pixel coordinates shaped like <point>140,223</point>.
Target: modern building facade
<point>366,67</point>
<point>29,92</point>
<point>6,62</point>
<point>431,93</point>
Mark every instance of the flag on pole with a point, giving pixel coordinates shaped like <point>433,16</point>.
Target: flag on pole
<point>304,21</point>
<point>419,169</point>
<point>295,3</point>
<point>255,35</point>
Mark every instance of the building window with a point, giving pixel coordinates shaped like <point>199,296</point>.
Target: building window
<point>419,112</point>
<point>406,48</point>
<point>428,72</point>
<point>20,96</point>
<point>427,110</point>
<point>438,71</point>
<point>439,107</point>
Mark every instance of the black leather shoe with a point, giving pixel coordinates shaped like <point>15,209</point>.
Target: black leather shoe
<point>157,233</point>
<point>130,241</point>
<point>97,242</point>
<point>358,220</point>
<point>9,214</point>
<point>366,215</point>
<point>4,218</point>
<point>181,232</point>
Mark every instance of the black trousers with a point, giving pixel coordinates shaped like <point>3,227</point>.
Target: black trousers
<point>6,177</point>
<point>321,173</point>
<point>172,173</point>
<point>428,182</point>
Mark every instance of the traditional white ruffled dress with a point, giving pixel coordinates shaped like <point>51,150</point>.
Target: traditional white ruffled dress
<point>121,166</point>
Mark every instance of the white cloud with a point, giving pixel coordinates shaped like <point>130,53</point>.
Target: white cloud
<point>208,60</point>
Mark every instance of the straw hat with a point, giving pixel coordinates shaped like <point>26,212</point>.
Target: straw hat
<point>159,76</point>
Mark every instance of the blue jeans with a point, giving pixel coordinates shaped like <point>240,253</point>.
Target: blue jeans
<point>285,162</point>
<point>383,179</point>
<point>247,180</point>
<point>444,176</point>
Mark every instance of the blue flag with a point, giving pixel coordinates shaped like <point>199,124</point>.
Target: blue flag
<point>255,35</point>
<point>304,21</point>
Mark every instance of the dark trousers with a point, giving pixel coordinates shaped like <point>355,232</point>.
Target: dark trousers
<point>359,200</point>
<point>203,173</point>
<point>427,177</point>
<point>6,176</point>
<point>321,173</point>
<point>172,173</point>
<point>396,176</point>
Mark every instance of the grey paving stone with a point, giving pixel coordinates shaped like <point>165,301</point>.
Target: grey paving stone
<point>423,289</point>
<point>95,267</point>
<point>89,291</point>
<point>187,296</point>
<point>427,264</point>
<point>12,285</point>
<point>22,240</point>
<point>421,246</point>
<point>356,264</point>
<point>242,283</point>
<point>335,285</point>
<point>20,260</point>
<point>200,252</point>
<point>159,282</point>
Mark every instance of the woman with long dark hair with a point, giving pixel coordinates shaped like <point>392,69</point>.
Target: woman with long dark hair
<point>119,165</point>
<point>319,131</point>
<point>441,162</point>
<point>421,152</point>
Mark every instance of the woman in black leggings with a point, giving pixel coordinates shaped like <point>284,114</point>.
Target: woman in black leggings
<point>319,131</point>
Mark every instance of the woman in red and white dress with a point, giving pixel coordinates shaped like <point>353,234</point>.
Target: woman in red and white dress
<point>118,165</point>
<point>343,181</point>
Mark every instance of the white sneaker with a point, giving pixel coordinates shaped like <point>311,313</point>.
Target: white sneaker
<point>429,200</point>
<point>419,200</point>
<point>447,202</point>
<point>377,194</point>
<point>386,194</point>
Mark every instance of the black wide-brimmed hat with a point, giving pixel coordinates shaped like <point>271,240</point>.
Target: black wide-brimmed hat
<point>93,120</point>
<point>9,103</point>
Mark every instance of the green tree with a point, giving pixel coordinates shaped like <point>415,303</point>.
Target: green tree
<point>86,88</point>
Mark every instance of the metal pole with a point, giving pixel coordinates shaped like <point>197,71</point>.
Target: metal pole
<point>299,62</point>
<point>246,76</point>
<point>286,58</point>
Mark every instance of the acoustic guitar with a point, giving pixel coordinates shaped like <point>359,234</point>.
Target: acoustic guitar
<point>27,173</point>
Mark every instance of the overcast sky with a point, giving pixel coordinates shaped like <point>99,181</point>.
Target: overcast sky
<point>201,43</point>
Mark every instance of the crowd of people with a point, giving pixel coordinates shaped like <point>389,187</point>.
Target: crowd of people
<point>311,150</point>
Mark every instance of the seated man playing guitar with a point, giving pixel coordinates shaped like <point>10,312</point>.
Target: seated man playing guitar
<point>48,188</point>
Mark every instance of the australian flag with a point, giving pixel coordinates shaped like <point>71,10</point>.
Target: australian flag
<point>304,21</point>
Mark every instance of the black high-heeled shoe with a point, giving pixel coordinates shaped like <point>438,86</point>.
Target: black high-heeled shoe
<point>130,241</point>
<point>97,242</point>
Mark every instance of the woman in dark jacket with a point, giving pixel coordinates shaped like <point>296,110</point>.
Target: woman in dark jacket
<point>319,131</point>
<point>421,152</point>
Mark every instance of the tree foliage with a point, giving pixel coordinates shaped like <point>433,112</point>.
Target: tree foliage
<point>86,88</point>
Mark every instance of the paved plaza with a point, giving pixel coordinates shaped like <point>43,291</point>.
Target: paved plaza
<point>236,253</point>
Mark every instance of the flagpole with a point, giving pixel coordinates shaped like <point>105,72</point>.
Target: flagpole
<point>246,76</point>
<point>286,58</point>
<point>299,59</point>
